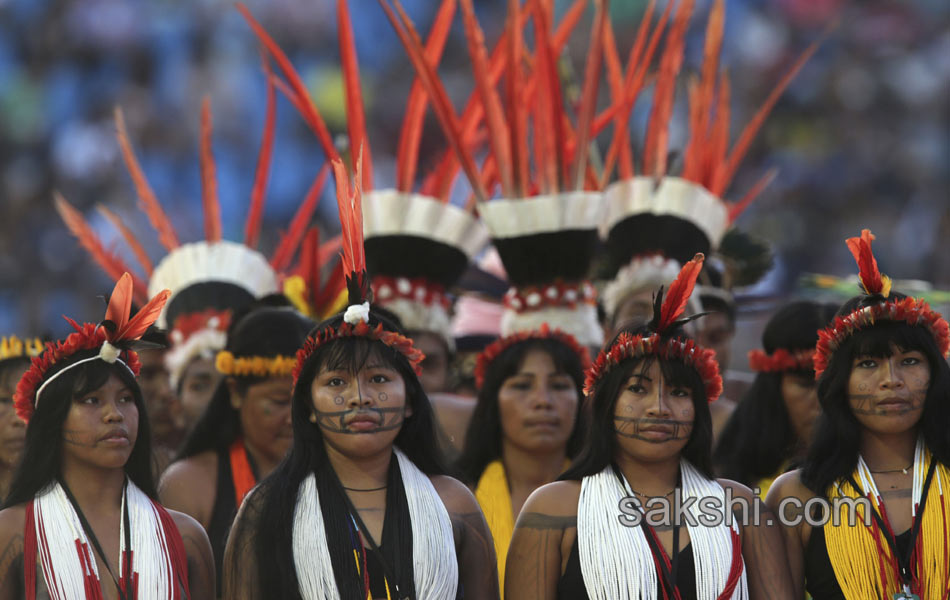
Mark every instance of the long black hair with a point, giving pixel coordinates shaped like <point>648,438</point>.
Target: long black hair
<point>266,331</point>
<point>483,438</point>
<point>834,450</point>
<point>758,438</point>
<point>270,533</point>
<point>42,457</point>
<point>601,447</point>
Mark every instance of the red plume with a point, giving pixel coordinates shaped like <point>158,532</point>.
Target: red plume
<point>111,264</point>
<point>252,227</point>
<point>120,305</point>
<point>680,291</point>
<point>350,207</point>
<point>871,278</point>
<point>355,116</point>
<point>209,182</point>
<point>140,254</point>
<point>298,225</point>
<point>147,200</point>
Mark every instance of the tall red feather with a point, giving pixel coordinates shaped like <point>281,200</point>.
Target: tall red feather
<point>109,262</point>
<point>303,103</point>
<point>147,200</point>
<point>252,227</point>
<point>871,277</point>
<point>349,205</point>
<point>353,92</point>
<point>137,249</point>
<point>289,243</point>
<point>680,290</point>
<point>119,307</point>
<point>408,152</point>
<point>592,67</point>
<point>209,181</point>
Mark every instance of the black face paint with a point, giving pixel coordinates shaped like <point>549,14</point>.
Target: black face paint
<point>868,404</point>
<point>387,419</point>
<point>71,437</point>
<point>633,428</point>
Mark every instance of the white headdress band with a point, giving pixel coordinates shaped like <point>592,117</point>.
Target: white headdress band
<point>105,353</point>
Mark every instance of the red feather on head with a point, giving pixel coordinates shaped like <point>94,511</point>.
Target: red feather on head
<point>874,283</point>
<point>680,291</point>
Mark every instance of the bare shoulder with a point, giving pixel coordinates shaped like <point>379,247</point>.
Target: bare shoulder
<point>456,496</point>
<point>738,490</point>
<point>189,486</point>
<point>201,468</point>
<point>186,524</point>
<point>555,498</point>
<point>789,485</point>
<point>12,521</point>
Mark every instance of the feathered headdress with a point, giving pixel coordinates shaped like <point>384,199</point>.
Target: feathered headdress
<point>650,210</point>
<point>417,244</point>
<point>877,307</point>
<point>661,338</point>
<point>115,337</point>
<point>544,227</point>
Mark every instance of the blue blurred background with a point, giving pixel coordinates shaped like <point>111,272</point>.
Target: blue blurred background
<point>862,137</point>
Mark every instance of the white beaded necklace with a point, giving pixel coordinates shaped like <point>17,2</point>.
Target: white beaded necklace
<point>617,562</point>
<point>434,563</point>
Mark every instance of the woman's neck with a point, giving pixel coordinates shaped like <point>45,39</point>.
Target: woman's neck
<point>525,469</point>
<point>657,478</point>
<point>95,490</point>
<point>888,452</point>
<point>360,472</point>
<point>263,464</point>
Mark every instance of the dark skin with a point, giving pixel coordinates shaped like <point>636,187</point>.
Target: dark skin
<point>359,453</point>
<point>648,456</point>
<point>12,429</point>
<point>886,396</point>
<point>190,485</point>
<point>98,436</point>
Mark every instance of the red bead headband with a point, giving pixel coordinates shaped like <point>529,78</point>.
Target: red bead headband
<point>684,350</point>
<point>781,360</point>
<point>494,350</point>
<point>394,340</point>
<point>558,294</point>
<point>910,310</point>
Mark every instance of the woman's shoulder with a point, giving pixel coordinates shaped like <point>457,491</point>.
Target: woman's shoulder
<point>558,499</point>
<point>190,485</point>
<point>456,496</point>
<point>789,485</point>
<point>12,522</point>
<point>200,465</point>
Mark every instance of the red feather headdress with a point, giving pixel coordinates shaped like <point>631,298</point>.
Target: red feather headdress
<point>494,350</point>
<point>877,286</point>
<point>667,317</point>
<point>114,336</point>
<point>781,360</point>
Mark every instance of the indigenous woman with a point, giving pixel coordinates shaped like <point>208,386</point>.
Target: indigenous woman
<point>360,508</point>
<point>525,427</point>
<point>649,444</point>
<point>245,431</point>
<point>81,519</point>
<point>771,427</point>
<point>15,357</point>
<point>884,390</point>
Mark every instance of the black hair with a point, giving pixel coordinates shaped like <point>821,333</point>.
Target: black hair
<point>266,331</point>
<point>41,462</point>
<point>601,447</point>
<point>758,438</point>
<point>834,450</point>
<point>483,438</point>
<point>270,533</point>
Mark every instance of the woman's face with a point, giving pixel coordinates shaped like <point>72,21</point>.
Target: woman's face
<point>800,395</point>
<point>653,419</point>
<point>537,405</point>
<point>887,394</point>
<point>360,414</point>
<point>101,427</point>
<point>197,385</point>
<point>264,411</point>
<point>12,429</point>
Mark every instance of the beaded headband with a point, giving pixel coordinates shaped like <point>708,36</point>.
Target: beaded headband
<point>781,360</point>
<point>494,350</point>
<point>14,347</point>
<point>667,315</point>
<point>910,310</point>
<point>254,366</point>
<point>114,337</point>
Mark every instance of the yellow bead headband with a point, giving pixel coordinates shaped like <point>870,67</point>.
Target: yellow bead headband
<point>253,366</point>
<point>14,347</point>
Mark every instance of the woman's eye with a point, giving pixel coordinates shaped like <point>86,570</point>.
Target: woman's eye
<point>90,400</point>
<point>521,386</point>
<point>680,392</point>
<point>336,381</point>
<point>867,363</point>
<point>561,386</point>
<point>379,379</point>
<point>127,399</point>
<point>911,360</point>
<point>636,388</point>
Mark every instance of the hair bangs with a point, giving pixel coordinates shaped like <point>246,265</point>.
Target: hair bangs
<point>881,340</point>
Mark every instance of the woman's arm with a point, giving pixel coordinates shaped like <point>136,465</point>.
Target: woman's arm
<point>201,575</point>
<point>762,548</point>
<point>533,566</point>
<point>11,553</point>
<point>239,576</point>
<point>478,569</point>
<point>794,537</point>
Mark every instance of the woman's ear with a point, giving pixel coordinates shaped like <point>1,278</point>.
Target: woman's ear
<point>237,398</point>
